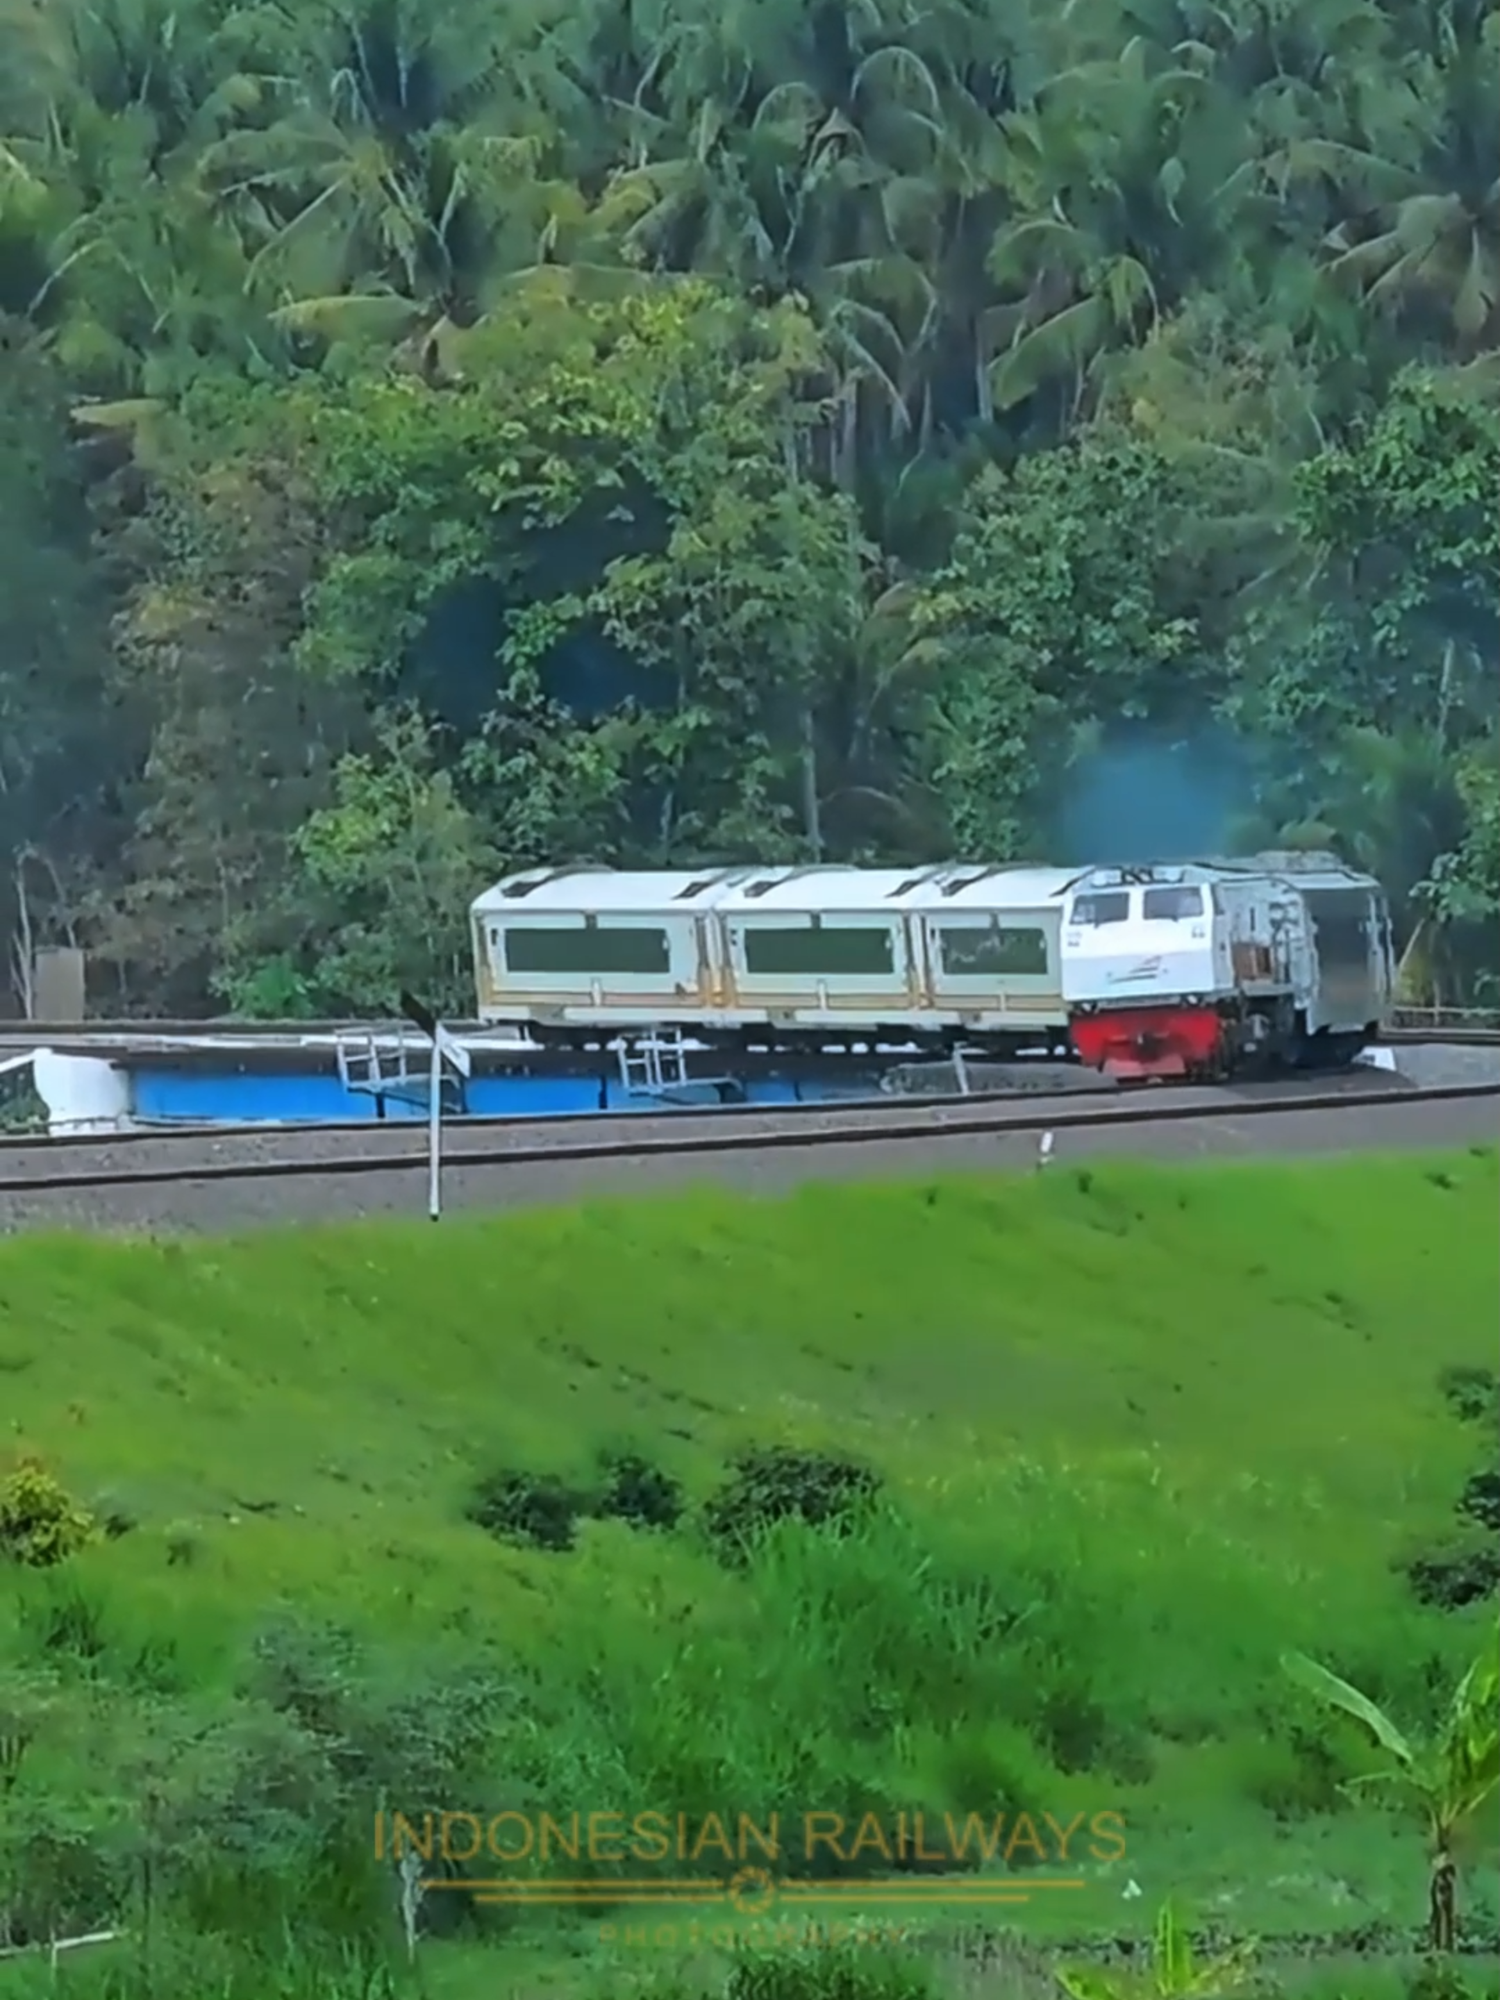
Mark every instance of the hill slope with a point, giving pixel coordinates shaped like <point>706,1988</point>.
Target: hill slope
<point>1138,1430</point>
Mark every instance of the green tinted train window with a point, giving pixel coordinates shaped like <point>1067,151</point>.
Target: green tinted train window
<point>820,952</point>
<point>970,952</point>
<point>529,948</point>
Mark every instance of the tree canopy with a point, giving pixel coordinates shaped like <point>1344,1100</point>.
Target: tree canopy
<point>437,438</point>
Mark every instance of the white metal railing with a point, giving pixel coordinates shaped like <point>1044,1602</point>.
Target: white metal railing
<point>1445,1017</point>
<point>366,1069</point>
<point>654,1063</point>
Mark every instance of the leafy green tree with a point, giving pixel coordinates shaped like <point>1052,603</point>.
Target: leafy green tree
<point>784,426</point>
<point>382,879</point>
<point>1086,596</point>
<point>54,736</point>
<point>1464,888</point>
<point>755,597</point>
<point>1372,684</point>
<point>240,744</point>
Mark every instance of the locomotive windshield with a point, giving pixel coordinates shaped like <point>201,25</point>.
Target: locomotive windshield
<point>1112,906</point>
<point>1172,905</point>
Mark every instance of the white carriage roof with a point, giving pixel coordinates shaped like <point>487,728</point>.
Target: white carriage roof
<point>970,888</point>
<point>592,891</point>
<point>845,890</point>
<point>1005,889</point>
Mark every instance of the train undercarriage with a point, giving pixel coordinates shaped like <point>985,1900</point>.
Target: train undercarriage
<point>1202,1043</point>
<point>1050,1041</point>
<point>1182,1041</point>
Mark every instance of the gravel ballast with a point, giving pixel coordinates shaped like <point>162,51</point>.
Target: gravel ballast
<point>1381,1125</point>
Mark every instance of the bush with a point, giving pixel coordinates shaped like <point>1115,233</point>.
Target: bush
<point>1472,1394</point>
<point>531,1508</point>
<point>783,1484</point>
<point>640,1493</point>
<point>542,1511</point>
<point>1481,1498</point>
<point>41,1524</point>
<point>1452,1579</point>
<point>829,1973</point>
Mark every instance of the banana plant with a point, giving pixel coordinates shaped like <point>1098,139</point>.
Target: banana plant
<point>1175,1972</point>
<point>1448,1778</point>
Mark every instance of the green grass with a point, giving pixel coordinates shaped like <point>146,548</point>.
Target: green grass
<point>1140,1430</point>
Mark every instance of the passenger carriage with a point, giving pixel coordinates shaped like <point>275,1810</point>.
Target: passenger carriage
<point>777,957</point>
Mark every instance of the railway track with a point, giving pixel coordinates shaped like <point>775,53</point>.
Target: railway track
<point>638,1137</point>
<point>1360,1082</point>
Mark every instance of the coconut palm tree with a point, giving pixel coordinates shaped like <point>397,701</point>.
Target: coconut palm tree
<point>1127,179</point>
<point>123,98</point>
<point>1419,231</point>
<point>416,163</point>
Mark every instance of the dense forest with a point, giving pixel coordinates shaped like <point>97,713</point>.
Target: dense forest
<point>437,438</point>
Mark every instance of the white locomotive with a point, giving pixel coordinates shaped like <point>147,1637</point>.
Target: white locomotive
<point>1190,970</point>
<point>1209,968</point>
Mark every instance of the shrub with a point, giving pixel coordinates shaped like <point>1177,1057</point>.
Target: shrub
<point>829,1973</point>
<point>41,1524</point>
<point>531,1508</point>
<point>1453,1580</point>
<point>783,1484</point>
<point>541,1511</point>
<point>1481,1498</point>
<point>1472,1394</point>
<point>640,1493</point>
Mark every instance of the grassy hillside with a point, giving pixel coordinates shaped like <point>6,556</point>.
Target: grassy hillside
<point>1138,1430</point>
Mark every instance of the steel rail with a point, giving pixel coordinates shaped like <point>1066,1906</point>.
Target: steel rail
<point>919,1126</point>
<point>1364,1081</point>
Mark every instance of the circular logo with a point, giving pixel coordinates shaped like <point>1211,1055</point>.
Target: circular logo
<point>752,1892</point>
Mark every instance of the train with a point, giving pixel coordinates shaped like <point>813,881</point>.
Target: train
<point>1194,970</point>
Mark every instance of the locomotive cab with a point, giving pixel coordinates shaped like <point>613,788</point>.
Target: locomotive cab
<point>1201,969</point>
<point>1145,964</point>
<point>1131,940</point>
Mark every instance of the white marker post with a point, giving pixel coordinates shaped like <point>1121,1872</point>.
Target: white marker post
<point>435,1133</point>
<point>444,1049</point>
